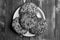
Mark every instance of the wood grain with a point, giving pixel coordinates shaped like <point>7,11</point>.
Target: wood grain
<point>7,8</point>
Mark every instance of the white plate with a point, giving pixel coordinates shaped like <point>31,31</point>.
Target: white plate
<point>28,34</point>
<point>41,12</point>
<point>16,14</point>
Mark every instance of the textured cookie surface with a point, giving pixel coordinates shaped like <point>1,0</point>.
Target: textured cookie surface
<point>28,20</point>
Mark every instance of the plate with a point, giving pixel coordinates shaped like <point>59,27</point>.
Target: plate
<point>16,13</point>
<point>29,34</point>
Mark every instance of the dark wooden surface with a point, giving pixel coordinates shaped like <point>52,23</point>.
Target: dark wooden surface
<point>7,8</point>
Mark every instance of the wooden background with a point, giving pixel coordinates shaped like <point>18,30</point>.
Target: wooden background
<point>7,8</point>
